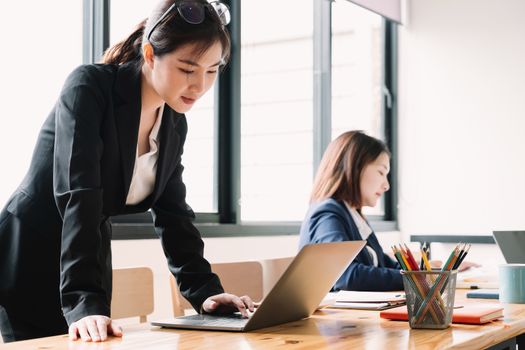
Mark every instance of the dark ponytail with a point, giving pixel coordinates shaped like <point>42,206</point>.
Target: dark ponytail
<point>128,50</point>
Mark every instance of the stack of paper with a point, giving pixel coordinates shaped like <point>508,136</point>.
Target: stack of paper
<point>366,300</point>
<point>477,277</point>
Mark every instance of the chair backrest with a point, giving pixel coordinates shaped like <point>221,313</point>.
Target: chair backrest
<point>239,278</point>
<point>132,293</point>
<point>272,271</point>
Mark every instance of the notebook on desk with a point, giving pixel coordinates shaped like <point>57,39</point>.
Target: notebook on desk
<point>367,300</point>
<point>477,278</point>
<point>469,314</point>
<point>295,296</point>
<point>483,294</point>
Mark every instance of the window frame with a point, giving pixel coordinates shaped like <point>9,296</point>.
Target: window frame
<point>226,221</point>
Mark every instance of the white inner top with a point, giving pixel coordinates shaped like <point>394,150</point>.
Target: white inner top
<point>145,170</point>
<point>364,231</point>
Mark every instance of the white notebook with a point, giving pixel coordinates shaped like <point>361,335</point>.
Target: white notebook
<point>366,300</point>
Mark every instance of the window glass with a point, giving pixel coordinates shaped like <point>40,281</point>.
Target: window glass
<point>276,109</point>
<point>357,73</point>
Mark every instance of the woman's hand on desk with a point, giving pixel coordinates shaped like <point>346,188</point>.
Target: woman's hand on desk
<point>94,328</point>
<point>225,303</point>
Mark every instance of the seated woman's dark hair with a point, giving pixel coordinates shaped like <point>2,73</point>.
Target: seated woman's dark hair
<point>339,172</point>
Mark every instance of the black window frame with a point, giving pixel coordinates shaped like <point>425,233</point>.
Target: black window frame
<point>226,222</point>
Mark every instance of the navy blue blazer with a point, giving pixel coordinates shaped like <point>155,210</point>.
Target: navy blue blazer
<point>330,221</point>
<point>55,230</point>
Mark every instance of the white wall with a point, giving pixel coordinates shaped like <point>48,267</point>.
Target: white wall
<point>462,116</point>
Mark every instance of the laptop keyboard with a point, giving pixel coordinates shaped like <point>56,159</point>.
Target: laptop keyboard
<point>228,320</point>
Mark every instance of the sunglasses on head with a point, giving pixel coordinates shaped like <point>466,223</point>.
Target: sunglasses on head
<point>194,12</point>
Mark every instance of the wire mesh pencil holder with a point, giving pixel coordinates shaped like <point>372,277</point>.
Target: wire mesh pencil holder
<point>430,298</point>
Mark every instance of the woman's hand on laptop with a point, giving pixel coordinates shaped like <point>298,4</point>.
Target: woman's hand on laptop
<point>226,303</point>
<point>94,328</point>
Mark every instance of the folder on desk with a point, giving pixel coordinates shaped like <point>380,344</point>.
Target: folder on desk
<point>470,314</point>
<point>367,300</point>
<point>484,294</point>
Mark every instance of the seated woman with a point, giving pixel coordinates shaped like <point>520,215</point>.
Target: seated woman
<point>352,174</point>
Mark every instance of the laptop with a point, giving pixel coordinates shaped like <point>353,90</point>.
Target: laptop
<point>295,296</point>
<point>512,245</point>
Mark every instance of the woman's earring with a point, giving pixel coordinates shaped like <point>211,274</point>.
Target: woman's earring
<point>148,53</point>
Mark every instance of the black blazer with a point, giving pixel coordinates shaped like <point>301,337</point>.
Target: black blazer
<point>79,177</point>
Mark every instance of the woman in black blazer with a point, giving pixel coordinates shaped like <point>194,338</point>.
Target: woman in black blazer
<point>55,231</point>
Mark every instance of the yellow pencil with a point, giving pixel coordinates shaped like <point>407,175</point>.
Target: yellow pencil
<point>425,260</point>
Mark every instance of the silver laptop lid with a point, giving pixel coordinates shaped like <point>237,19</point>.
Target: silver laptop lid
<point>512,245</point>
<point>295,296</point>
<point>305,283</point>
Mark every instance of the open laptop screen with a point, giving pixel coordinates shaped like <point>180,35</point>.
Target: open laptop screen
<point>512,245</point>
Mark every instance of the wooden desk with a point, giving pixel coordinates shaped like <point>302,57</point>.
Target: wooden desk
<point>327,329</point>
